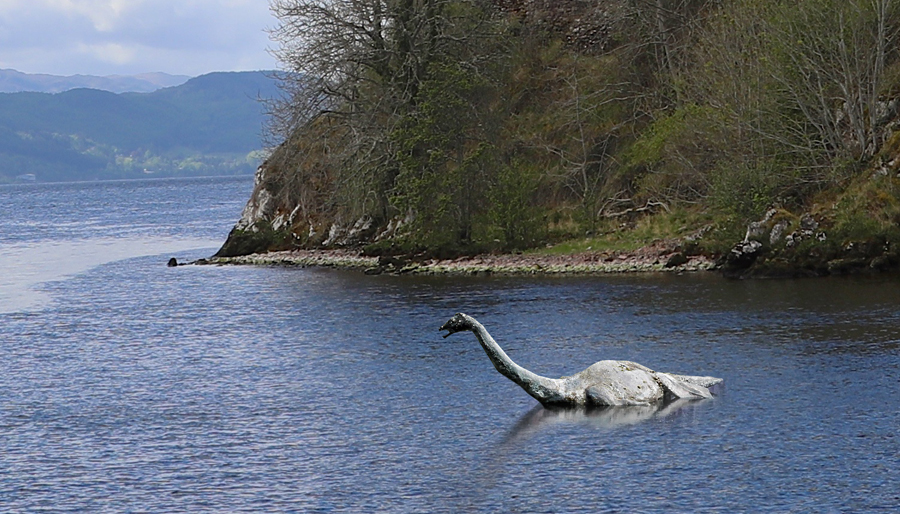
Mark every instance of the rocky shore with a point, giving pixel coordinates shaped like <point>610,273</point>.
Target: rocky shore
<point>654,258</point>
<point>779,245</point>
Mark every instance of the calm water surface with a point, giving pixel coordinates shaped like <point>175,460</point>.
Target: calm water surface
<point>127,386</point>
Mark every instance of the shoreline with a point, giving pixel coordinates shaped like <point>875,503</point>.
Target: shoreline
<point>648,259</point>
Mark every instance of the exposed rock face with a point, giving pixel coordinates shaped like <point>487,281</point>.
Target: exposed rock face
<point>777,233</point>
<point>741,257</point>
<point>266,225</point>
<point>256,230</point>
<point>260,206</point>
<point>360,232</point>
<point>587,26</point>
<point>745,253</point>
<point>808,226</point>
<point>806,251</point>
<point>758,229</point>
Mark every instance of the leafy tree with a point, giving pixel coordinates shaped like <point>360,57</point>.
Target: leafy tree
<point>481,120</point>
<point>362,64</point>
<point>445,155</point>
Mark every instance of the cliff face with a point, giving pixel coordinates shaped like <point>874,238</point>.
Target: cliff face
<point>272,221</point>
<point>254,232</point>
<point>295,204</point>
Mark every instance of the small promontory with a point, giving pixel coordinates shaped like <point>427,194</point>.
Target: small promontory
<point>728,133</point>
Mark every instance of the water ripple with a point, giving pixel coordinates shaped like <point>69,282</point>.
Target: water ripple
<point>142,388</point>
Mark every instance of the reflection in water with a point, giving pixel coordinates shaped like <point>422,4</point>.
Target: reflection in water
<point>591,435</point>
<point>540,418</point>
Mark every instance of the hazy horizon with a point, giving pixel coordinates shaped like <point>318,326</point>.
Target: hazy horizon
<point>13,81</point>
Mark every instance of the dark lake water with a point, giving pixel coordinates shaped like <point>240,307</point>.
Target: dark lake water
<point>127,386</point>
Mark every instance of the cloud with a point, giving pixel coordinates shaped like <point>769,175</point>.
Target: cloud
<point>109,53</point>
<point>103,14</point>
<point>105,37</point>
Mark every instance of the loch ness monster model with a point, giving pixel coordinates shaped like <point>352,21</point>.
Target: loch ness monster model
<point>604,383</point>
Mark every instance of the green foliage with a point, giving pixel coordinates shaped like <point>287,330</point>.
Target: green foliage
<point>613,237</point>
<point>868,208</point>
<point>443,157</point>
<point>569,114</point>
<point>672,159</point>
<point>492,130</point>
<point>512,207</point>
<point>748,189</point>
<point>650,148</point>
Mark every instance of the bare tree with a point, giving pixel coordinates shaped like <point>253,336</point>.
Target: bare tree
<point>834,54</point>
<point>667,30</point>
<point>584,141</point>
<point>362,63</point>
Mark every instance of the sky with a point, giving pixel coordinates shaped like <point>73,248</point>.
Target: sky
<point>127,37</point>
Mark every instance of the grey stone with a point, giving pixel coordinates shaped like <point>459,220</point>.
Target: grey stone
<point>777,233</point>
<point>758,229</point>
<point>808,223</point>
<point>743,254</point>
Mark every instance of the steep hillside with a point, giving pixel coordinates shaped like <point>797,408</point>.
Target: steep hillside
<point>464,127</point>
<point>210,124</point>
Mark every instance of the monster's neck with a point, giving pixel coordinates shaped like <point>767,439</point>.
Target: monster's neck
<point>543,389</point>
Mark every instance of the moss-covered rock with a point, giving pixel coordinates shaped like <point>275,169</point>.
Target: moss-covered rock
<point>258,238</point>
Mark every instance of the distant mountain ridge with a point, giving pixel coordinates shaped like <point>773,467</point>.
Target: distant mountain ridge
<point>12,81</point>
<point>211,124</point>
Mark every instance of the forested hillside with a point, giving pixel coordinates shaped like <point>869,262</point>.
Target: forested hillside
<point>212,124</point>
<point>441,126</point>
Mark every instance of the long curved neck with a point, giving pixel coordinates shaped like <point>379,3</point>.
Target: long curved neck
<point>542,389</point>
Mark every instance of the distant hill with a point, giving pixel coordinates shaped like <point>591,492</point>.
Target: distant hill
<point>12,81</point>
<point>211,124</point>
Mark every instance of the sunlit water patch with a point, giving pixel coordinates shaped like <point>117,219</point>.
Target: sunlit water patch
<point>50,232</point>
<point>28,266</point>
